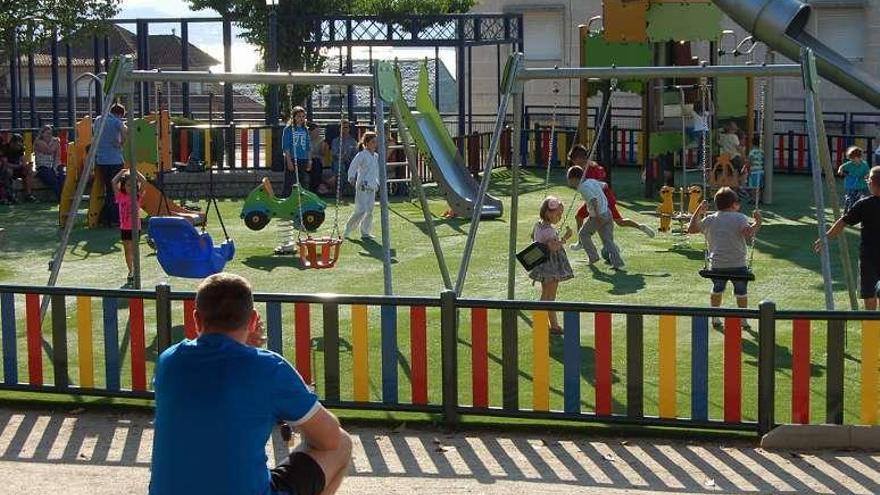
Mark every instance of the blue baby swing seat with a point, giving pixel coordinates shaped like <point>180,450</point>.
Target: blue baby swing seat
<point>183,251</point>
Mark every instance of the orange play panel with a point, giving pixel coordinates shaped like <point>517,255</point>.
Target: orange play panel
<point>625,20</point>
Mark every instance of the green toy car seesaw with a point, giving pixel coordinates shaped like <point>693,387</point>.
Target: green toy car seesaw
<point>261,205</point>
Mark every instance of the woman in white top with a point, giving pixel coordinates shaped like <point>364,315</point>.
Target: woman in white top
<point>47,156</point>
<point>363,175</point>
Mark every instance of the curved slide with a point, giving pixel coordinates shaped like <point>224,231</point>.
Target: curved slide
<point>447,166</point>
<point>781,24</point>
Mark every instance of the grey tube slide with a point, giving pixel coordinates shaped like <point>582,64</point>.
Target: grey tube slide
<point>780,24</point>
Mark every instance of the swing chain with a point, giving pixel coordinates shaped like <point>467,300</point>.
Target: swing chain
<point>553,130</point>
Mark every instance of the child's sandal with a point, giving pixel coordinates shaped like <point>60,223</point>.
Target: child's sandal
<point>556,331</point>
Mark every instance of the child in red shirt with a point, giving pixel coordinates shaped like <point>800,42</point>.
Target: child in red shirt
<point>580,156</point>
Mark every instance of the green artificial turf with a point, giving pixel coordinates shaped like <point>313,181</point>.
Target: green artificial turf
<point>659,271</point>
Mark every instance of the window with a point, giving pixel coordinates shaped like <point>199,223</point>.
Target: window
<point>542,33</point>
<point>842,30</point>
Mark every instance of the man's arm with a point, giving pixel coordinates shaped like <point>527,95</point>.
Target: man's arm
<point>832,233</point>
<point>321,431</point>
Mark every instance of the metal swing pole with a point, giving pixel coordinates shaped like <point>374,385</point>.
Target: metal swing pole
<point>125,64</point>
<point>515,62</point>
<point>132,193</point>
<point>810,80</point>
<point>383,188</point>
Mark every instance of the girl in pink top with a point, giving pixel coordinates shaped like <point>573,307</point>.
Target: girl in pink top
<point>123,200</point>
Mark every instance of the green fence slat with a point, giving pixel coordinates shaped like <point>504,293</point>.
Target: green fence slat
<point>635,366</point>
<point>331,351</point>
<point>509,360</point>
<point>834,371</point>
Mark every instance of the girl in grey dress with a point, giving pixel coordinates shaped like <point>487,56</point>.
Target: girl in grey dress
<point>556,268</point>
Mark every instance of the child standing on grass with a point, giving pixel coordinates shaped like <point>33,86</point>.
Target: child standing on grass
<point>855,170</point>
<point>866,211</point>
<point>297,146</point>
<point>580,157</point>
<point>557,268</point>
<point>599,219</point>
<point>123,201</point>
<point>727,234</point>
<point>363,175</point>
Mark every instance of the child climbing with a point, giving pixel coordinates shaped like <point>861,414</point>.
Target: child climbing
<point>557,268</point>
<point>579,156</point>
<point>363,175</point>
<point>297,146</point>
<point>866,211</point>
<point>599,219</point>
<point>123,201</point>
<point>727,234</point>
<point>854,170</point>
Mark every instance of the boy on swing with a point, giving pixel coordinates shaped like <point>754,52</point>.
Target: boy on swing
<point>728,233</point>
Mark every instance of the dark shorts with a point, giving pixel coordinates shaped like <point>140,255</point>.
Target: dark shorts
<point>740,287</point>
<point>125,234</point>
<point>299,474</point>
<point>18,171</point>
<point>870,275</point>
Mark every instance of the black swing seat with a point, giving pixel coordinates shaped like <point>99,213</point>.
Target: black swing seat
<point>746,276</point>
<point>183,251</point>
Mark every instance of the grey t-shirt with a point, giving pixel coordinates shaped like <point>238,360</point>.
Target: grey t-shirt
<point>727,245</point>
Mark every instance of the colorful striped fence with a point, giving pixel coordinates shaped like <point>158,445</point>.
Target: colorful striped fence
<point>613,364</point>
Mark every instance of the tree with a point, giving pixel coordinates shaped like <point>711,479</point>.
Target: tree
<point>35,21</point>
<point>252,16</point>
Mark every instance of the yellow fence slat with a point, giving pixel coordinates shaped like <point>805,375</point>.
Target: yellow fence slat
<point>541,361</point>
<point>360,356</point>
<point>84,341</point>
<point>870,349</point>
<point>667,366</point>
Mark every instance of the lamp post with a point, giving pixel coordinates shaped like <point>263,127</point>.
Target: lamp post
<point>272,62</point>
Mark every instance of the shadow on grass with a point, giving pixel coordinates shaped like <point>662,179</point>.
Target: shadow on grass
<point>269,262</point>
<point>457,224</point>
<point>372,249</point>
<point>623,282</point>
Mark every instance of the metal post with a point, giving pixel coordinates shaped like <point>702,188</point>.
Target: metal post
<point>349,90</point>
<point>437,78</point>
<point>383,193</point>
<point>767,138</point>
<point>515,163</point>
<point>818,191</point>
<point>766,366</point>
<point>132,188</point>
<point>145,65</point>
<point>449,356</point>
<point>14,88</point>
<point>184,65</point>
<point>98,86</point>
<point>53,45</point>
<point>470,92</point>
<point>516,60</point>
<point>163,317</point>
<point>228,110</point>
<point>85,173</point>
<point>32,89</point>
<point>416,182</point>
<point>71,93</point>
<point>272,117</point>
<point>459,75</point>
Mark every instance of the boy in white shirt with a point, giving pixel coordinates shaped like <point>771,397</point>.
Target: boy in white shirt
<point>599,220</point>
<point>363,175</point>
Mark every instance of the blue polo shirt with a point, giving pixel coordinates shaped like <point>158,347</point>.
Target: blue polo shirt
<point>109,150</point>
<point>217,402</point>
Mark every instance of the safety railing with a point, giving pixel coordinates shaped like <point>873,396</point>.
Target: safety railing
<point>615,364</point>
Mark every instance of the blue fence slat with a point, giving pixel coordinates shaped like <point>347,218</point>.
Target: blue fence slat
<point>699,368</point>
<point>196,146</point>
<point>10,358</point>
<point>256,147</point>
<point>571,357</point>
<point>110,307</point>
<point>273,315</point>
<point>389,354</point>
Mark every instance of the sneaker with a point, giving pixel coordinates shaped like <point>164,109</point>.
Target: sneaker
<point>556,331</point>
<point>717,324</point>
<point>30,198</point>
<point>647,230</point>
<point>605,256</point>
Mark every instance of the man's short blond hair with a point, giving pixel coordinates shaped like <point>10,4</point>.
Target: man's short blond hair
<point>225,302</point>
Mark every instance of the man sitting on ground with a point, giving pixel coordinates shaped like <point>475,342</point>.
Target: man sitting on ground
<point>218,397</point>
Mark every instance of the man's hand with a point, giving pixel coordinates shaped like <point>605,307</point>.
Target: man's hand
<point>256,337</point>
<point>817,246</point>
<point>757,216</point>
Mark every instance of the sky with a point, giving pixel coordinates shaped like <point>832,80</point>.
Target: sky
<point>208,37</point>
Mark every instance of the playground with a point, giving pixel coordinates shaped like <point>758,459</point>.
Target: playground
<point>458,331</point>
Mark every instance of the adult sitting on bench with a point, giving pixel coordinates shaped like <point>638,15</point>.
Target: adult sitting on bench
<point>218,397</point>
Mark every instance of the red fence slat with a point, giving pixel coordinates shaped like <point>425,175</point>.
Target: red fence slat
<point>136,329</point>
<point>480,356</point>
<point>303,340</point>
<point>34,339</point>
<point>800,372</point>
<point>732,370</point>
<point>189,321</point>
<point>603,363</point>
<point>419,354</point>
